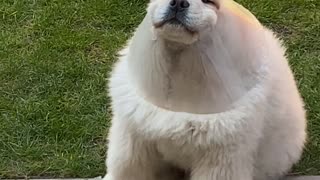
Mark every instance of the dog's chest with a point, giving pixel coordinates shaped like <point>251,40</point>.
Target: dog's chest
<point>178,155</point>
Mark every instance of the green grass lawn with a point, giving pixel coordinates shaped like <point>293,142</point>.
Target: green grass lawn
<point>55,56</point>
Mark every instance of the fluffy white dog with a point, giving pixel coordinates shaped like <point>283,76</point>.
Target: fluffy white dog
<point>203,92</point>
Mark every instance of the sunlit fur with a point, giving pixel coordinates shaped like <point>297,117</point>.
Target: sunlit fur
<point>219,104</point>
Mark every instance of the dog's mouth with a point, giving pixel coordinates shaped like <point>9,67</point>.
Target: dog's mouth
<point>175,22</point>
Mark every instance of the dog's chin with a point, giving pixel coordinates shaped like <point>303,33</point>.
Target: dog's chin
<point>176,33</point>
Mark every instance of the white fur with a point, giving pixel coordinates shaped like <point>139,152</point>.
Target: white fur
<point>171,111</point>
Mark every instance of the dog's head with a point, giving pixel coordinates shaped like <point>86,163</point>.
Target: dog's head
<point>182,20</point>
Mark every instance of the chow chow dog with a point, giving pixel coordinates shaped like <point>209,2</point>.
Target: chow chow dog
<point>203,91</point>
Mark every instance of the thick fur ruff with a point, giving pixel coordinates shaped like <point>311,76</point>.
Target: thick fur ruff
<point>257,136</point>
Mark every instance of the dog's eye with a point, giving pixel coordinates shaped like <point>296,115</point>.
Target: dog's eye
<point>211,2</point>
<point>207,1</point>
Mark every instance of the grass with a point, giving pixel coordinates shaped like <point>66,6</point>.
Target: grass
<point>55,56</point>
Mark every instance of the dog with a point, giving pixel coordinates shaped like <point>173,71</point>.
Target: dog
<point>203,91</point>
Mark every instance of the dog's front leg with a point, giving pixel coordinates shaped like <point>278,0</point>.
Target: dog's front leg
<point>223,165</point>
<point>129,157</point>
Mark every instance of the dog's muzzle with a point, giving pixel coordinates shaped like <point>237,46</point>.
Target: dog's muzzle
<point>177,14</point>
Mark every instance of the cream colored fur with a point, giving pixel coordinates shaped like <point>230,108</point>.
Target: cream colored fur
<point>220,104</point>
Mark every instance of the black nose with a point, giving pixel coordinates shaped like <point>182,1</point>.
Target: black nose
<point>179,5</point>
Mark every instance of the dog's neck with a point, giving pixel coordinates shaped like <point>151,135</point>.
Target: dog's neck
<point>205,77</point>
